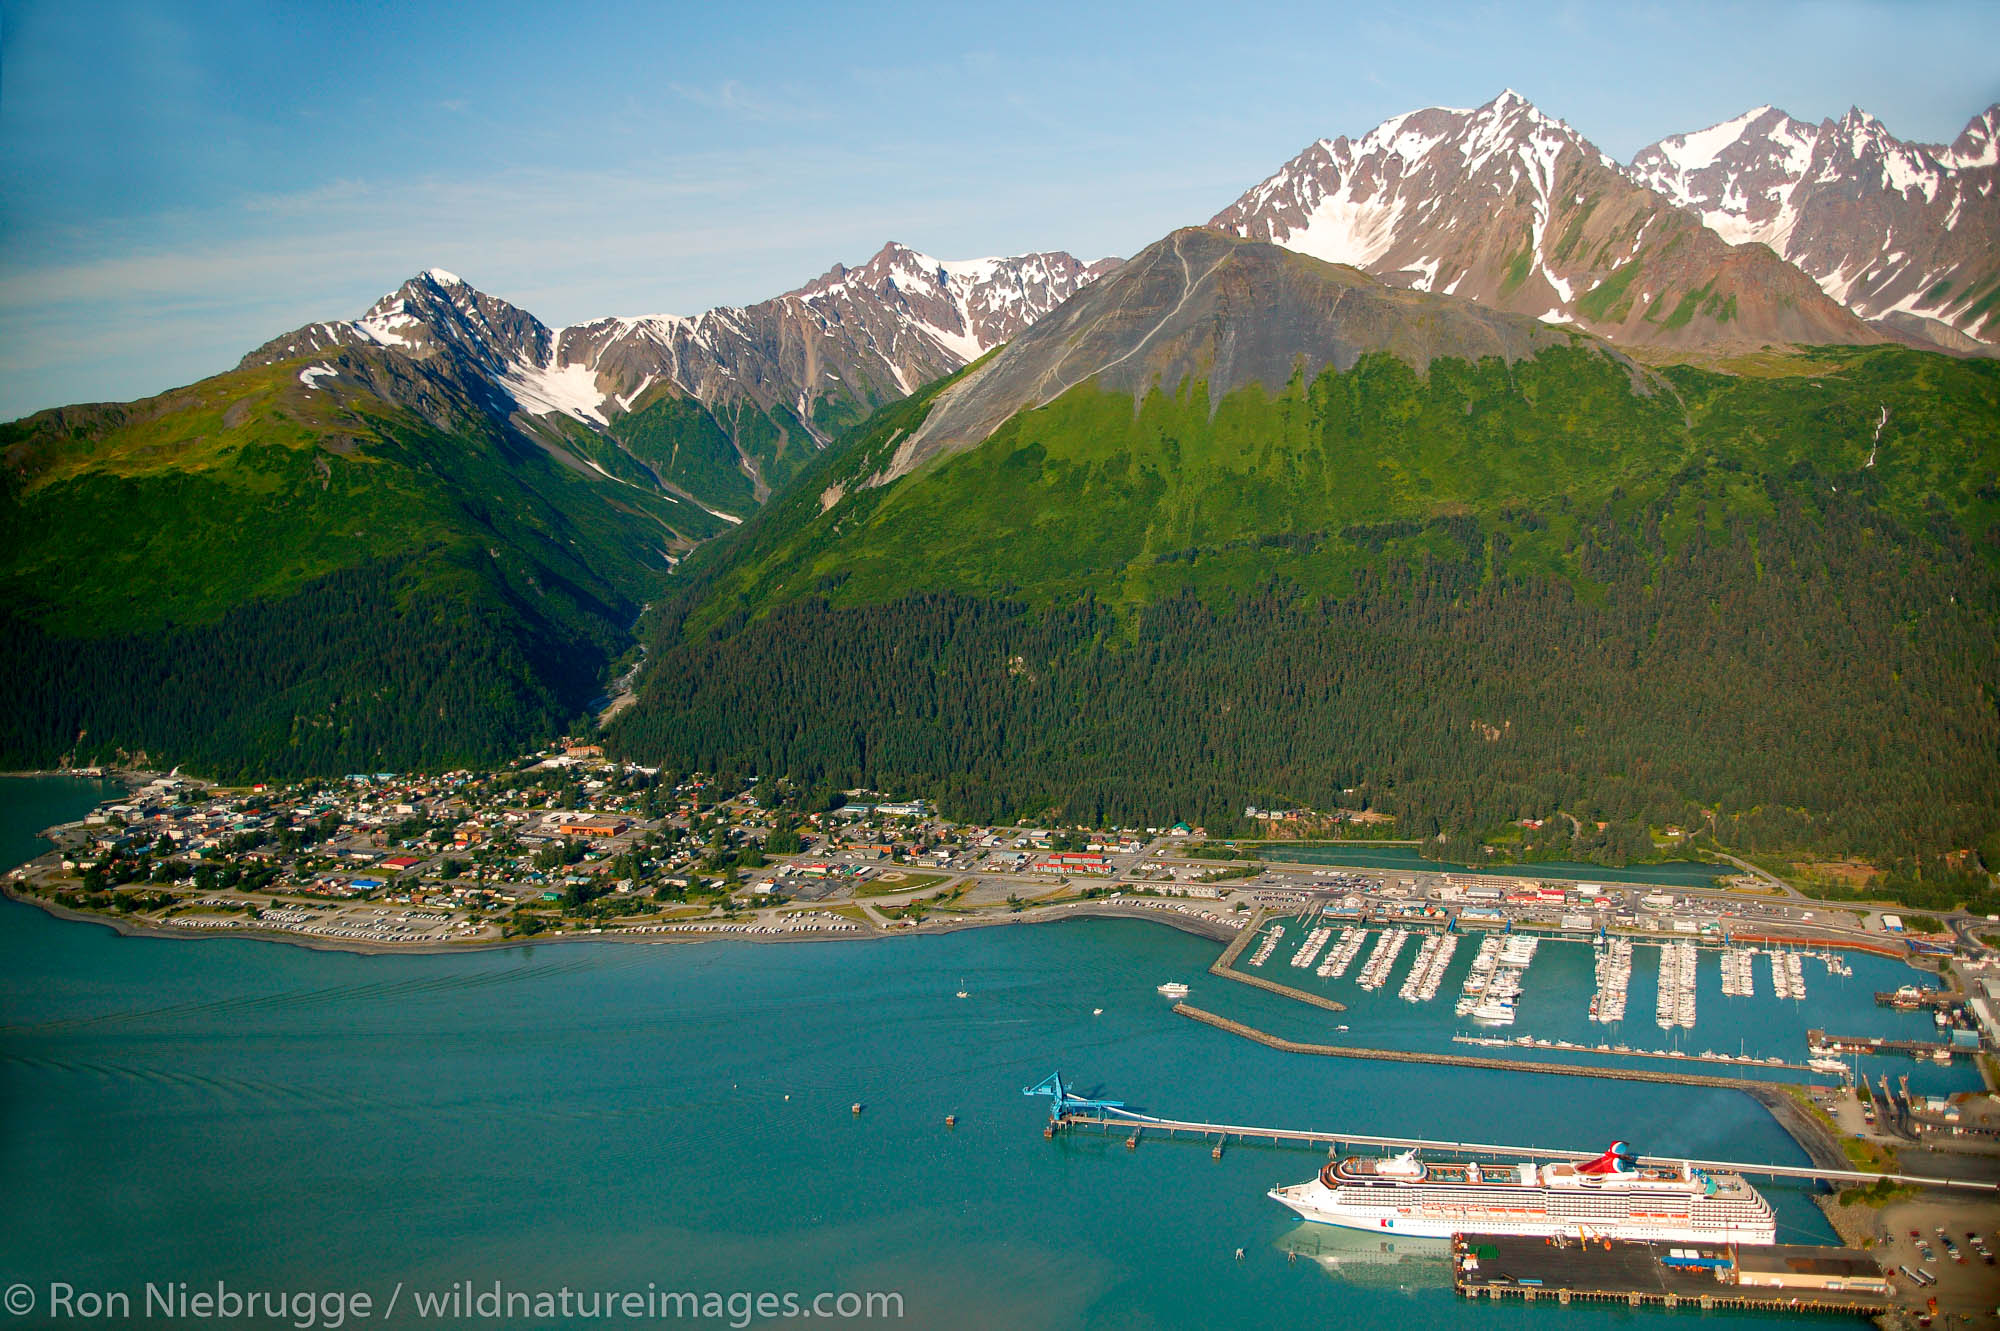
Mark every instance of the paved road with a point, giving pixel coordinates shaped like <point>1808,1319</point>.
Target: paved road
<point>1769,880</point>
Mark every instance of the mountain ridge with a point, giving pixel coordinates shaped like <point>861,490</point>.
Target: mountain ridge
<point>1904,234</point>
<point>1157,322</point>
<point>1516,210</point>
<point>775,380</point>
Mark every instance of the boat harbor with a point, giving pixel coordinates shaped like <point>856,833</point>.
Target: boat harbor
<point>1741,1013</point>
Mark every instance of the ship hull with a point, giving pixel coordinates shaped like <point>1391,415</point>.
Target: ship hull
<point>1415,1226</point>
<point>1453,1203</point>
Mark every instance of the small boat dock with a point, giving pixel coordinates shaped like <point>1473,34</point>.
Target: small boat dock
<point>1909,998</point>
<point>1819,1042</point>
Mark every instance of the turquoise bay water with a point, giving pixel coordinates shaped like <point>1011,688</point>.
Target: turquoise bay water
<point>613,1115</point>
<point>1361,855</point>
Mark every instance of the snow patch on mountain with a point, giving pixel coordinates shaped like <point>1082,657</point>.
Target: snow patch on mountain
<point>1692,152</point>
<point>387,326</point>
<point>541,390</point>
<point>1511,207</point>
<point>1342,229</point>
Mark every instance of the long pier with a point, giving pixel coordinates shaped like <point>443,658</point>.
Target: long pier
<point>1471,1060</point>
<point>1103,1115</point>
<point>1722,1059</point>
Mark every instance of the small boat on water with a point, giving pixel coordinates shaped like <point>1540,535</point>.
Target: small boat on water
<point>1174,989</point>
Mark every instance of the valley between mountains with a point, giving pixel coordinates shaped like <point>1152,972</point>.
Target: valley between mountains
<point>1455,472</point>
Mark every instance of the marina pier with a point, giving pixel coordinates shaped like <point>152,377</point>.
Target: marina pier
<point>1911,997</point>
<point>1225,966</point>
<point>1675,1056</point>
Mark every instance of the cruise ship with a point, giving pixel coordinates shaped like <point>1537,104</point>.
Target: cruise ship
<point>1610,1197</point>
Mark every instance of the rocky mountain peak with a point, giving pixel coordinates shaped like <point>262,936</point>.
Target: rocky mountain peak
<point>962,308</point>
<point>1750,162</point>
<point>436,310</point>
<point>1900,233</point>
<point>1204,304</point>
<point>1513,208</point>
<point>777,379</point>
<point>1978,144</point>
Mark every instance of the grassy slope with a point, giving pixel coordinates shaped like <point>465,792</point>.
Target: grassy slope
<point>244,486</point>
<point>718,453</point>
<point>1133,504</point>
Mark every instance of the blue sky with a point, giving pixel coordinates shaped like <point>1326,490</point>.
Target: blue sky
<point>181,182</point>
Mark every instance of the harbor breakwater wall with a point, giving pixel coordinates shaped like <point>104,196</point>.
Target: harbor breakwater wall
<point>1811,1135</point>
<point>1225,966</point>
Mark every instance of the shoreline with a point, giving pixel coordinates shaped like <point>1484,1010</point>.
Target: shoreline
<point>862,933</point>
<point>132,778</point>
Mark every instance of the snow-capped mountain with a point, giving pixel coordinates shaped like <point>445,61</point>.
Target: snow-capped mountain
<point>957,311</point>
<point>1902,233</point>
<point>864,335</point>
<point>1737,175</point>
<point>777,379</point>
<point>898,321</point>
<point>1516,210</point>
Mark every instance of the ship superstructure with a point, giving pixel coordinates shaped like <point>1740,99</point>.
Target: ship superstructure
<point>1608,1197</point>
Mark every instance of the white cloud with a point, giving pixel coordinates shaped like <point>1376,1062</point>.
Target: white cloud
<point>732,98</point>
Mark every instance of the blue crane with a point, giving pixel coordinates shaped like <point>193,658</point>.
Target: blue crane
<point>1062,1100</point>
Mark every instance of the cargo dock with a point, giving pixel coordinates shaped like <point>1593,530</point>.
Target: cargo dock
<point>1774,1278</point>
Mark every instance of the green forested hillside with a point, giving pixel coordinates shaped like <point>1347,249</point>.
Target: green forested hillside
<point>1480,594</point>
<point>703,450</point>
<point>255,575</point>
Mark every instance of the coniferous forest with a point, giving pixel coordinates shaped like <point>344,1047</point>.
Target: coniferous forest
<point>352,671</point>
<point>1805,707</point>
<point>1761,641</point>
